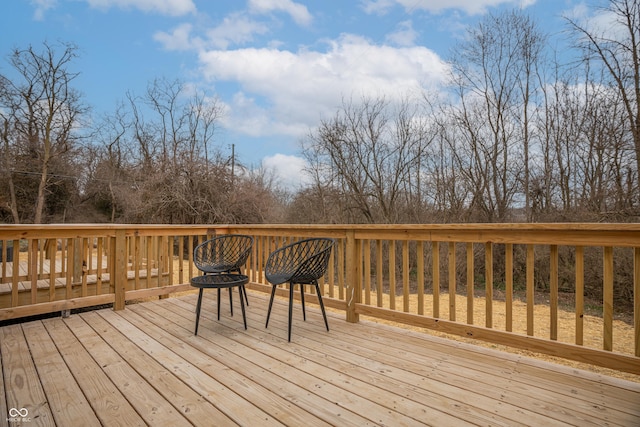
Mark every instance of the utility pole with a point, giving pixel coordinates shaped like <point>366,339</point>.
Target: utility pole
<point>233,162</point>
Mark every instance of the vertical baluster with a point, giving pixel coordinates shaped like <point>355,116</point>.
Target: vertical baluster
<point>607,314</point>
<point>553,290</point>
<point>470,283</point>
<point>530,290</point>
<point>508,284</point>
<point>392,274</point>
<point>579,281</point>
<point>420,273</point>
<point>83,272</point>
<point>70,250</point>
<point>366,253</point>
<point>379,273</point>
<point>99,264</point>
<point>33,269</point>
<point>405,276</point>
<point>50,247</point>
<point>488,253</point>
<point>435,275</point>
<point>636,300</point>
<point>452,281</point>
<point>136,262</point>
<point>181,260</point>
<point>149,253</point>
<point>190,257</point>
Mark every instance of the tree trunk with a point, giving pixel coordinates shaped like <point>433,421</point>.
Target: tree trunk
<point>40,198</point>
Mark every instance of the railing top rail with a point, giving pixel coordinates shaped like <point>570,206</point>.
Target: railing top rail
<point>25,231</point>
<point>588,234</point>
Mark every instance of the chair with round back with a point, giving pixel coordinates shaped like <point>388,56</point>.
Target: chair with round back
<point>304,263</point>
<point>226,253</point>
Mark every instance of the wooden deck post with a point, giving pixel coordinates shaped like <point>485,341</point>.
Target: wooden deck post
<point>354,277</point>
<point>78,258</point>
<point>119,252</point>
<point>636,300</point>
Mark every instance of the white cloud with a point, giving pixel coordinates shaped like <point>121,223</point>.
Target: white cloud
<point>235,29</point>
<point>405,35</point>
<point>287,169</point>
<point>471,7</point>
<point>599,22</point>
<point>244,115</point>
<point>289,92</point>
<point>41,7</point>
<point>179,38</point>
<point>298,12</point>
<point>164,7</point>
<point>377,7</point>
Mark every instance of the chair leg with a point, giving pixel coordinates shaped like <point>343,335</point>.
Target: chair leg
<point>243,292</point>
<point>244,315</point>
<point>273,292</point>
<point>290,308</point>
<point>231,300</point>
<point>218,303</point>
<point>304,315</point>
<point>326,323</point>
<point>242,289</point>
<point>198,306</point>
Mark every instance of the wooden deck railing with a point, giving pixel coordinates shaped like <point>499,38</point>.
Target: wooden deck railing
<point>472,280</point>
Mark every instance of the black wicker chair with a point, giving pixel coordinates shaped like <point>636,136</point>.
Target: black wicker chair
<point>302,263</point>
<point>224,254</point>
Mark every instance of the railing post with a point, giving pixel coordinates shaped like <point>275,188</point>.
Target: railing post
<point>353,266</point>
<point>119,251</point>
<point>78,258</point>
<point>636,300</point>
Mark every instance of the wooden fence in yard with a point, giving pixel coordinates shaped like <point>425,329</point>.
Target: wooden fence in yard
<point>447,278</point>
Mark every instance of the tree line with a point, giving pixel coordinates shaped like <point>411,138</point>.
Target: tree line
<point>521,133</point>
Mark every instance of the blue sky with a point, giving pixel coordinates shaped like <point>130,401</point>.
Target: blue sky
<point>277,66</point>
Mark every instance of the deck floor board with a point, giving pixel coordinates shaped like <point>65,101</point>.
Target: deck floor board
<point>312,376</point>
<point>69,407</point>
<point>358,375</point>
<point>271,392</point>
<point>144,366</point>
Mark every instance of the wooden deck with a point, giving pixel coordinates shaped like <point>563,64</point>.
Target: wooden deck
<point>144,366</point>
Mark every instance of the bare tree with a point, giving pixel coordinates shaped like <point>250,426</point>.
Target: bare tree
<point>7,152</point>
<point>159,159</point>
<point>617,47</point>
<point>587,151</point>
<point>448,188</point>
<point>109,168</point>
<point>370,152</point>
<point>40,110</point>
<point>495,78</point>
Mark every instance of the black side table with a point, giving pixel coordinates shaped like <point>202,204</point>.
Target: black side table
<point>219,281</point>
